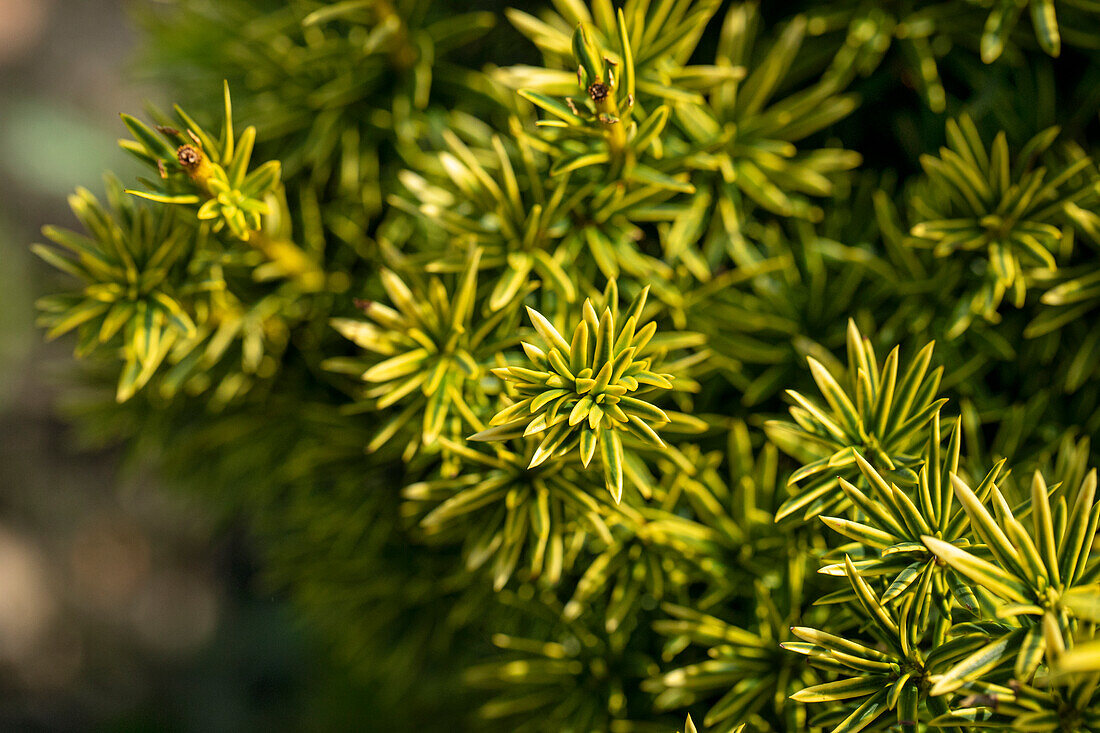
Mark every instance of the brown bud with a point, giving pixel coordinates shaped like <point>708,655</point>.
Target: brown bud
<point>196,165</point>
<point>189,156</point>
<point>598,91</point>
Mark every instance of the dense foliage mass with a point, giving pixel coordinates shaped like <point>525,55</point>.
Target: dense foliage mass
<point>589,366</point>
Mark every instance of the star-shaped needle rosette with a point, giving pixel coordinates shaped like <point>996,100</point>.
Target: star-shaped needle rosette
<point>588,392</point>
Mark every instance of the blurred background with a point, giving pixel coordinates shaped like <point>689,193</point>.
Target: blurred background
<point>122,606</point>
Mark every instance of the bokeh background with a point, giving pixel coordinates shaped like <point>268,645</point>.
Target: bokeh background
<point>123,606</point>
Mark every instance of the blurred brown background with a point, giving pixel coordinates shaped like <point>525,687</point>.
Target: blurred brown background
<point>122,607</point>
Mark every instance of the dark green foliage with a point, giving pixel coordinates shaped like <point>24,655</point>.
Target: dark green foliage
<point>586,365</point>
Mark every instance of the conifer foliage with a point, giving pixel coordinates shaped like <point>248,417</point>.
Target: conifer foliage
<point>618,364</point>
